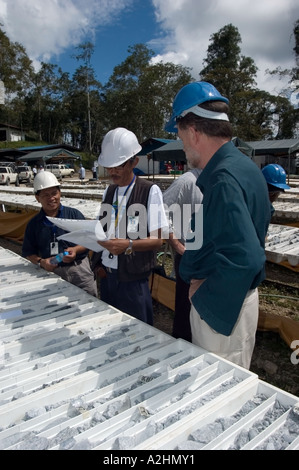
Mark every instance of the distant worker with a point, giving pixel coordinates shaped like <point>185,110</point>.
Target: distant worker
<point>40,243</point>
<point>81,172</point>
<point>94,172</point>
<point>276,179</point>
<point>168,167</point>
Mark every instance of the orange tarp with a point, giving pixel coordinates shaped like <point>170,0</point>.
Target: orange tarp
<point>12,225</point>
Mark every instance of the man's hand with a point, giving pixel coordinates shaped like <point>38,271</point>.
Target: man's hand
<point>115,246</point>
<point>72,253</point>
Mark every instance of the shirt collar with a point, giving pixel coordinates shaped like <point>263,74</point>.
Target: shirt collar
<point>59,214</point>
<point>218,156</point>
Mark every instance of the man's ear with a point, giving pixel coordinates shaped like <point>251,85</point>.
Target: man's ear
<point>136,160</point>
<point>194,134</point>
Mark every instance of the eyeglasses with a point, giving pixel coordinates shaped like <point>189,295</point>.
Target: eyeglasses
<point>119,167</point>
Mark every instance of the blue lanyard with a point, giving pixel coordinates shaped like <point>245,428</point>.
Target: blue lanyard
<point>115,204</point>
<point>50,224</point>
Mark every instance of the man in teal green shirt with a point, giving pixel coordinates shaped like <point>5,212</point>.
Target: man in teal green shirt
<point>225,271</point>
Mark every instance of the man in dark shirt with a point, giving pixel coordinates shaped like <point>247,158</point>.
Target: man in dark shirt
<point>40,243</point>
<point>225,271</point>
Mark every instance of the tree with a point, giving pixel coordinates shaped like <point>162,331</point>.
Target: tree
<point>293,73</point>
<point>85,101</point>
<point>139,94</point>
<point>289,117</point>
<point>226,68</point>
<point>254,114</point>
<point>16,71</point>
<point>16,68</point>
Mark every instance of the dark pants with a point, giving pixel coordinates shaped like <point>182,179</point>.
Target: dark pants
<point>132,297</point>
<point>181,322</point>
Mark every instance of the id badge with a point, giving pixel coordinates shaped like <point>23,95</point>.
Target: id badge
<point>133,221</point>
<point>54,248</point>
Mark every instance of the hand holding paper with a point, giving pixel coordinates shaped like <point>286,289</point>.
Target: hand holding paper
<point>81,232</point>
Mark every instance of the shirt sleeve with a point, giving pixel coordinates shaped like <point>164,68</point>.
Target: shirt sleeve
<point>157,218</point>
<point>173,194</point>
<point>30,245</point>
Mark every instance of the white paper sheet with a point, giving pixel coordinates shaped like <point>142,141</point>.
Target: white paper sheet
<point>83,238</point>
<point>81,232</point>
<point>70,225</point>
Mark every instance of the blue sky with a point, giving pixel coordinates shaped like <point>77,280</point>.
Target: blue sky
<point>178,31</point>
<point>135,24</point>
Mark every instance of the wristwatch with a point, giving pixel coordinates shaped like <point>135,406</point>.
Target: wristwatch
<point>129,250</point>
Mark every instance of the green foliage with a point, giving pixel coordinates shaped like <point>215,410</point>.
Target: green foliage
<point>53,107</point>
<point>255,114</point>
<point>20,144</point>
<point>139,94</point>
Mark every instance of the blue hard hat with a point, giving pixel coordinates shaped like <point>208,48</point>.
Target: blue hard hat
<point>275,175</point>
<point>191,95</point>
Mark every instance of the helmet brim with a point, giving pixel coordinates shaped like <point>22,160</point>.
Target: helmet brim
<point>171,125</point>
<point>280,185</point>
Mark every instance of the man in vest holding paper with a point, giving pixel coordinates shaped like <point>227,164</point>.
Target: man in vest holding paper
<point>133,217</point>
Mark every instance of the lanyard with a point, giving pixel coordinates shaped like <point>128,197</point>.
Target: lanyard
<point>115,205</point>
<point>50,224</point>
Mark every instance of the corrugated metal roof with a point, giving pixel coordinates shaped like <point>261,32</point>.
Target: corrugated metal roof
<point>275,146</point>
<point>45,147</point>
<point>152,144</point>
<point>48,154</point>
<point>174,149</point>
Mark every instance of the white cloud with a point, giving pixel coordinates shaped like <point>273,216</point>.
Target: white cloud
<point>265,26</point>
<point>47,27</point>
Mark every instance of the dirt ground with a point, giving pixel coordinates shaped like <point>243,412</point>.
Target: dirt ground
<point>272,356</point>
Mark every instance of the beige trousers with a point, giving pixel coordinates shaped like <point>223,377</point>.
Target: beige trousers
<point>239,346</point>
<point>80,274</point>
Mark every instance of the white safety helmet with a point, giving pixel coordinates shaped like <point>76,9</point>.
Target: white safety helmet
<point>118,146</point>
<point>43,180</point>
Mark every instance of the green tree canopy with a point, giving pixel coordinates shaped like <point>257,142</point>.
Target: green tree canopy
<point>139,94</point>
<point>254,114</point>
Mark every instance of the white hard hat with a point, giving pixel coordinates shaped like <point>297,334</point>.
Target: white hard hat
<point>118,146</point>
<point>43,180</point>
